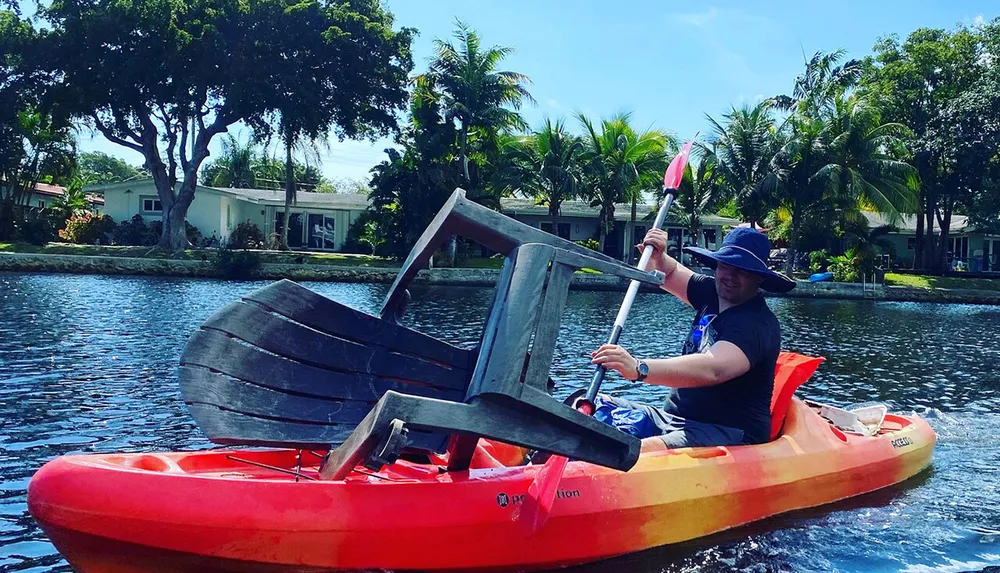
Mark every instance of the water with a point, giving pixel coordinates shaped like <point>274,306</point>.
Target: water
<point>88,364</point>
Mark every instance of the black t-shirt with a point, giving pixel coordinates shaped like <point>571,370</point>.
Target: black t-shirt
<point>743,402</point>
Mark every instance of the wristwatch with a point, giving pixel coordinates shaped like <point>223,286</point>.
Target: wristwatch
<point>642,369</point>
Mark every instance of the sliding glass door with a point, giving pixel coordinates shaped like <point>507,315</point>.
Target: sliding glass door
<point>321,232</point>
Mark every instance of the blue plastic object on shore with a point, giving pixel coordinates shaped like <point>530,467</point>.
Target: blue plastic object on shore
<point>818,277</point>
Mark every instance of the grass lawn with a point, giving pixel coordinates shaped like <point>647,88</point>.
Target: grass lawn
<point>921,281</point>
<point>90,250</point>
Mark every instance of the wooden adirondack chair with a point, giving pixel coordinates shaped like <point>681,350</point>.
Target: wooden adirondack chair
<point>287,367</point>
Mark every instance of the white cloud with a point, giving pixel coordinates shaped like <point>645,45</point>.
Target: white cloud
<point>979,21</point>
<point>697,19</point>
<point>724,17</point>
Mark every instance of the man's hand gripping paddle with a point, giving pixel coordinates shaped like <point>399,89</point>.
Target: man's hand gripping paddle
<point>542,491</point>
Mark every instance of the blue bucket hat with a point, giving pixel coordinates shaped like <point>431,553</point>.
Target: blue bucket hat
<point>747,249</point>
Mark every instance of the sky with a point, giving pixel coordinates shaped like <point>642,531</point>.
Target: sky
<point>668,63</point>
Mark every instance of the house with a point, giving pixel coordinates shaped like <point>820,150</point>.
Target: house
<point>319,221</point>
<point>45,195</point>
<point>579,221</point>
<point>970,247</point>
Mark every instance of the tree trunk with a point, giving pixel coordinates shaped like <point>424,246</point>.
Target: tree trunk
<point>918,242</point>
<point>945,224</point>
<point>289,192</point>
<point>629,254</point>
<point>792,242</point>
<point>930,246</point>
<point>7,221</point>
<point>463,137</point>
<point>174,236</point>
<point>602,231</point>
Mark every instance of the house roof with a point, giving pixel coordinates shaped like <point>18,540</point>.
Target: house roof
<point>909,222</point>
<point>302,198</point>
<point>262,196</point>
<point>623,211</point>
<point>57,191</point>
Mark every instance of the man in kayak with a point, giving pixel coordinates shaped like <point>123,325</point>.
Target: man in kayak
<point>721,384</point>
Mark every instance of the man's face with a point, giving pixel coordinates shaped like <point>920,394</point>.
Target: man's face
<point>735,286</point>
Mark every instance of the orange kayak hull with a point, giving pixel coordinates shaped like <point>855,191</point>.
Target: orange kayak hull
<point>219,511</point>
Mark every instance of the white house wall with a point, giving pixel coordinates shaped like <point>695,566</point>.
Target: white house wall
<point>204,214</point>
<point>121,203</point>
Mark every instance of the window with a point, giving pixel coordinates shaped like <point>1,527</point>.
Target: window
<point>911,243</point>
<point>959,247</point>
<point>563,229</point>
<point>709,235</point>
<point>229,216</point>
<point>151,205</point>
<point>41,204</point>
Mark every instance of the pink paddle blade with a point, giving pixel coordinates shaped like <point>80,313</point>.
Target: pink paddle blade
<point>542,493</point>
<point>675,172</point>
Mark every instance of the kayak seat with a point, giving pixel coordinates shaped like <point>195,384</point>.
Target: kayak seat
<point>792,371</point>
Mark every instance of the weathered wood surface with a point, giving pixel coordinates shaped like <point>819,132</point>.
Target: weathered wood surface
<point>286,366</point>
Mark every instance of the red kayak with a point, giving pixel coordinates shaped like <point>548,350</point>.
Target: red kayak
<point>246,510</point>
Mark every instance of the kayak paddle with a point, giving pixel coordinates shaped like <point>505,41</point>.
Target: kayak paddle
<point>542,491</point>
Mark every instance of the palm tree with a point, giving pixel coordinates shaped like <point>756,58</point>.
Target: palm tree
<point>235,166</point>
<point>796,174</point>
<point>816,88</point>
<point>865,243</point>
<point>547,167</point>
<point>862,167</point>
<point>474,92</point>
<point>619,163</point>
<point>73,200</point>
<point>292,139</point>
<point>743,150</point>
<point>700,192</point>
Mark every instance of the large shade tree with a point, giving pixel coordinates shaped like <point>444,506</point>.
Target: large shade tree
<point>99,167</point>
<point>913,81</point>
<point>167,77</point>
<point>36,136</point>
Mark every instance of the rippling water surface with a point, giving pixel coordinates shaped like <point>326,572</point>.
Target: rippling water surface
<point>88,364</point>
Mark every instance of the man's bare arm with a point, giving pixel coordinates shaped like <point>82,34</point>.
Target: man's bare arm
<point>677,275</point>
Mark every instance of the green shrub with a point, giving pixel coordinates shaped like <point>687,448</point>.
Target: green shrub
<point>592,244</point>
<point>246,235</point>
<point>818,260</point>
<point>845,268</point>
<point>87,228</point>
<point>133,232</point>
<point>353,243</point>
<point>237,263</point>
<point>39,227</point>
